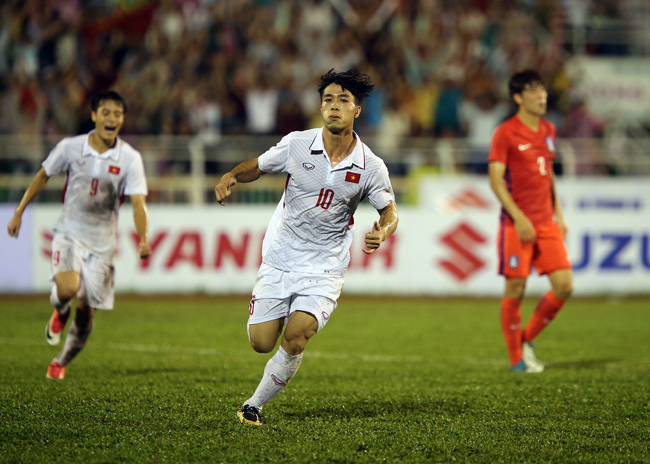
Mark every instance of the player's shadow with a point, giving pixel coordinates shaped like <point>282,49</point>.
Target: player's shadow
<point>583,364</point>
<point>344,410</point>
<point>153,371</point>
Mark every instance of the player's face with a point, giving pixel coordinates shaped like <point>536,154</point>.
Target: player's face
<point>338,108</point>
<point>108,120</point>
<point>533,99</point>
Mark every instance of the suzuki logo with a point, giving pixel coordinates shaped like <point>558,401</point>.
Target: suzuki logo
<point>462,242</point>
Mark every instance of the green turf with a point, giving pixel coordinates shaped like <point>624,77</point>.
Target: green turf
<point>388,380</point>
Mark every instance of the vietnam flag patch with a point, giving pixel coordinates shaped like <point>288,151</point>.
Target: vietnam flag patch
<point>352,177</point>
<point>114,169</point>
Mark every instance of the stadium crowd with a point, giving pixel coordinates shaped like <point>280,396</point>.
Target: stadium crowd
<point>250,66</point>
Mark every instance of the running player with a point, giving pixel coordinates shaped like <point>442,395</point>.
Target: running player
<point>532,228</point>
<point>306,247</point>
<point>101,169</point>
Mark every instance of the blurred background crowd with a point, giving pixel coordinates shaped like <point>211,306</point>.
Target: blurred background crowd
<point>237,67</point>
<point>252,66</point>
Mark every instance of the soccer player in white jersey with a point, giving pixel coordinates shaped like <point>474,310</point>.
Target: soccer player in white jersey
<point>307,243</point>
<point>101,169</point>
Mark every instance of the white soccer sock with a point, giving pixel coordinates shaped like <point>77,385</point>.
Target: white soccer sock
<point>74,343</point>
<point>62,308</point>
<point>278,372</point>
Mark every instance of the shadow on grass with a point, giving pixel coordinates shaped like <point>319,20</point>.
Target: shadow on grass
<point>354,409</point>
<point>584,364</point>
<point>155,370</point>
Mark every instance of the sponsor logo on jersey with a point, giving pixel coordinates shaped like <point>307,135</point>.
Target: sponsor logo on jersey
<point>524,146</point>
<point>352,177</point>
<point>550,144</point>
<point>308,166</point>
<point>114,169</point>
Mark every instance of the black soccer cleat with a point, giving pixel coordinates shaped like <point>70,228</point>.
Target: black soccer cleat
<point>249,415</point>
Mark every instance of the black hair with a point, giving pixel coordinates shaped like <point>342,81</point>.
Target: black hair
<point>107,95</point>
<point>358,84</point>
<point>520,80</point>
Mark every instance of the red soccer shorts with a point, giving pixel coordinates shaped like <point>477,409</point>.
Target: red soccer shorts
<point>548,253</point>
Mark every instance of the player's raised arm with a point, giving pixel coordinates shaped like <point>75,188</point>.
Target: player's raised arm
<point>141,221</point>
<point>382,229</point>
<point>524,226</point>
<point>245,172</point>
<point>36,186</point>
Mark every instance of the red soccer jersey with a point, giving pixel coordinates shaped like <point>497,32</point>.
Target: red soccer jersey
<point>528,156</point>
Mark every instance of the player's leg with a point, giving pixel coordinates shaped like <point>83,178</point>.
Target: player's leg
<point>75,340</point>
<point>511,317</point>
<point>96,290</point>
<point>514,260</point>
<point>552,260</point>
<point>264,336</point>
<point>66,268</point>
<point>308,315</point>
<point>550,304</point>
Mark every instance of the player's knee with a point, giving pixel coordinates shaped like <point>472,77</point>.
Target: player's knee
<point>295,342</point>
<point>515,289</point>
<point>563,290</point>
<point>262,346</point>
<point>66,292</point>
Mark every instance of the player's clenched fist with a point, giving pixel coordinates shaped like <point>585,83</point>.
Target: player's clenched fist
<point>14,226</point>
<point>373,239</point>
<point>222,190</point>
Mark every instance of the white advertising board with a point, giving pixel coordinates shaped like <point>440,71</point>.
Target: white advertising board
<point>447,246</point>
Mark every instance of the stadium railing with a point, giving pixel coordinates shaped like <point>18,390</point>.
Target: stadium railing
<point>184,169</point>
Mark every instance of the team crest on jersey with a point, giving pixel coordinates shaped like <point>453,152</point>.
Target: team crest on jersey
<point>550,144</point>
<point>325,315</point>
<point>352,177</point>
<point>513,261</point>
<point>114,169</point>
<point>308,166</point>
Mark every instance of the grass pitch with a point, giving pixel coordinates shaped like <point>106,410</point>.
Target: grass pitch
<point>388,380</point>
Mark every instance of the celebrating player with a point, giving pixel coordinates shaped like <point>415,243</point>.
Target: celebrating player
<point>101,169</point>
<point>532,228</point>
<point>306,246</point>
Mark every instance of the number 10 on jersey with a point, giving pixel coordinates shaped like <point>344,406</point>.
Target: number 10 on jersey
<point>325,198</point>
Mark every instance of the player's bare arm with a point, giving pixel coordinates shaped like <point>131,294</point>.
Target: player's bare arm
<point>558,209</point>
<point>141,221</point>
<point>382,229</point>
<point>245,172</point>
<point>523,225</point>
<point>36,186</point>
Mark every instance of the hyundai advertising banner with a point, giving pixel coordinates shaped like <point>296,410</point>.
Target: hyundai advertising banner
<point>445,246</point>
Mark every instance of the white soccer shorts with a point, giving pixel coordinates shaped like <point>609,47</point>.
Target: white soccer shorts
<point>97,275</point>
<point>277,294</point>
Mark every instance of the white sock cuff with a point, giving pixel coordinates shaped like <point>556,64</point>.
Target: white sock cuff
<point>285,359</point>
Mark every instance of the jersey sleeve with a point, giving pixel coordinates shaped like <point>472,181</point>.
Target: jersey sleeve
<point>56,162</point>
<point>381,192</point>
<point>499,146</point>
<point>135,182</point>
<point>274,160</point>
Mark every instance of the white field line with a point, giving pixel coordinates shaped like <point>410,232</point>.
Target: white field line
<point>198,351</point>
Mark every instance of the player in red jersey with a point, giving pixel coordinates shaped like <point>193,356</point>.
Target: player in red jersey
<point>532,228</point>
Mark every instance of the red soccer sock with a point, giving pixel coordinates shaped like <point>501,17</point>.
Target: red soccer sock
<point>546,310</point>
<point>511,326</point>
